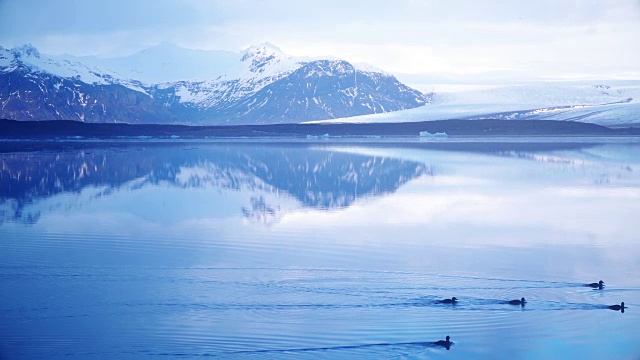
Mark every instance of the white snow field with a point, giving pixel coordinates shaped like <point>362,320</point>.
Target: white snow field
<point>615,102</point>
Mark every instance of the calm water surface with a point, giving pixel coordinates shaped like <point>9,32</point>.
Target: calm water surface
<point>319,250</point>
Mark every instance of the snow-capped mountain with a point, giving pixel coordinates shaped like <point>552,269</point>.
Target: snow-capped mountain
<point>169,84</point>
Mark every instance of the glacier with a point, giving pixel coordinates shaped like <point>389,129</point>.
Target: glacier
<point>602,102</point>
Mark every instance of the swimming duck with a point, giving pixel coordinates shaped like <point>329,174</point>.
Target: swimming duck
<point>453,300</point>
<point>444,343</point>
<point>518,302</point>
<point>617,307</point>
<point>597,285</point>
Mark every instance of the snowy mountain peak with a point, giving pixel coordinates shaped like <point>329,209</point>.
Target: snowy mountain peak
<point>364,67</point>
<point>263,49</point>
<point>26,50</point>
<point>266,60</point>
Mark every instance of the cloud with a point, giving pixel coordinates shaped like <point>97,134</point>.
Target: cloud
<point>37,17</point>
<point>542,38</point>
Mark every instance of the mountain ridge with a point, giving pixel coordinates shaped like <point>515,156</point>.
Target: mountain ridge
<point>226,92</point>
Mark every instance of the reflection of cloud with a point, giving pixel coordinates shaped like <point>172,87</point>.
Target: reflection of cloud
<point>619,193</point>
<point>448,209</point>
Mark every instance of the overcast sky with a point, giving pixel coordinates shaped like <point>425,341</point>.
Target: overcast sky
<point>434,39</point>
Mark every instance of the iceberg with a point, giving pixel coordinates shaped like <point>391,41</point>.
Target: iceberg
<point>438,135</point>
<point>325,136</point>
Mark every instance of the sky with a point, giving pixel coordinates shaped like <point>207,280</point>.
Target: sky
<point>427,39</point>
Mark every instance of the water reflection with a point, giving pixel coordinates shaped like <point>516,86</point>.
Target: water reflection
<point>445,344</point>
<point>317,178</point>
<point>159,251</point>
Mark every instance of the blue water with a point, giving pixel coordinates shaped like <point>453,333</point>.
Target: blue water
<point>321,250</point>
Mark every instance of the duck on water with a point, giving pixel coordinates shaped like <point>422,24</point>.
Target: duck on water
<point>444,343</point>
<point>620,307</point>
<point>598,285</point>
<point>453,300</point>
<point>520,302</point>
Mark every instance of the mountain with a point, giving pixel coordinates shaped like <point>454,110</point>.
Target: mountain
<point>169,84</point>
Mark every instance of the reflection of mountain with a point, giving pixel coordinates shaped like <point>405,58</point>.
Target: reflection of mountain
<point>317,178</point>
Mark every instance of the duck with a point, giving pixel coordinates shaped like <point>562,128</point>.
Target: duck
<point>597,285</point>
<point>617,307</point>
<point>453,300</point>
<point>444,343</point>
<point>518,302</point>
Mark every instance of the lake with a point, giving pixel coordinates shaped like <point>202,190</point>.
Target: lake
<point>319,249</point>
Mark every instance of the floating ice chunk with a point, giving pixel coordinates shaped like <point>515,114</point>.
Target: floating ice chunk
<point>438,135</point>
<point>311,137</point>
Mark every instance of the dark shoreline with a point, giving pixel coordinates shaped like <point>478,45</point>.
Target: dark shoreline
<point>11,129</point>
